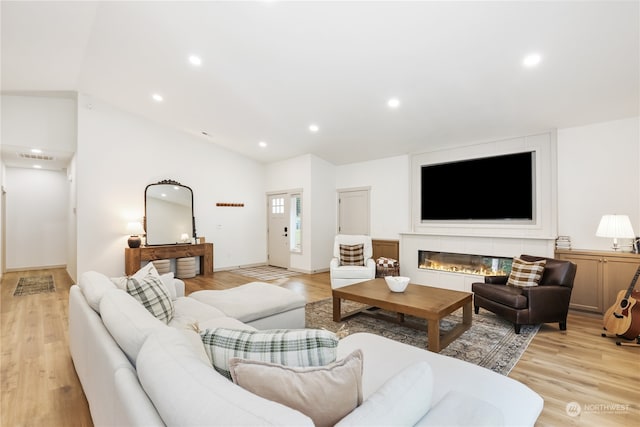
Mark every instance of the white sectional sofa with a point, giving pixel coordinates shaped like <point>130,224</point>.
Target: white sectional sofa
<point>138,371</point>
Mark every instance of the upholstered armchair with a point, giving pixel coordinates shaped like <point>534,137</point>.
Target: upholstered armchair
<point>545,303</point>
<point>351,262</point>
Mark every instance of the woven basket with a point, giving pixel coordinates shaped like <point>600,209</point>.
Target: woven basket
<point>185,268</point>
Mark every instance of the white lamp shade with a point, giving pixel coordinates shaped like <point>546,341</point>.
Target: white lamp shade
<point>616,226</point>
<point>134,228</point>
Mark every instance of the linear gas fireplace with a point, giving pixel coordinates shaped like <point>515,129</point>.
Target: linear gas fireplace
<point>481,265</point>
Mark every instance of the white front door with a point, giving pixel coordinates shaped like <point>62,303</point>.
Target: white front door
<point>278,230</point>
<point>353,211</point>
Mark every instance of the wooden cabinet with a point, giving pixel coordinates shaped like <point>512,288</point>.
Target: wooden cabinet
<point>599,278</point>
<point>134,256</point>
<point>386,248</point>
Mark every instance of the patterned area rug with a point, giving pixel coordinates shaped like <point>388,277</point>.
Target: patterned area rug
<point>34,285</point>
<point>266,272</point>
<point>490,342</point>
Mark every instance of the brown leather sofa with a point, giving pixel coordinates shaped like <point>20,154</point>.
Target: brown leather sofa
<point>545,303</point>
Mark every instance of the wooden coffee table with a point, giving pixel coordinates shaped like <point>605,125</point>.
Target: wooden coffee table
<point>425,302</point>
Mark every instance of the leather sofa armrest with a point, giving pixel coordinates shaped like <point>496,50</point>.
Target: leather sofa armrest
<point>496,280</point>
<point>547,299</point>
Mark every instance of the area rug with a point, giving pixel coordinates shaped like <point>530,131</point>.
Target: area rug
<point>265,272</point>
<point>34,285</point>
<point>490,342</point>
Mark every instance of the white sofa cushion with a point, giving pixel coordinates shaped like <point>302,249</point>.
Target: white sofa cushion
<point>384,358</point>
<point>458,408</point>
<point>93,286</point>
<point>324,393</point>
<point>255,300</point>
<point>128,322</point>
<point>354,271</point>
<point>188,392</point>
<point>189,312</point>
<point>401,401</point>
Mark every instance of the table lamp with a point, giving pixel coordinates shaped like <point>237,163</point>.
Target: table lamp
<point>615,226</point>
<point>135,229</point>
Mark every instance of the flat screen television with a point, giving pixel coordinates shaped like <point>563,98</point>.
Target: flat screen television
<point>497,188</point>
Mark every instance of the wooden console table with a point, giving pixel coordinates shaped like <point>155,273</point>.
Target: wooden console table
<point>134,256</point>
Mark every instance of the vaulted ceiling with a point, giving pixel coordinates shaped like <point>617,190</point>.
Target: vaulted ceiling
<point>270,69</point>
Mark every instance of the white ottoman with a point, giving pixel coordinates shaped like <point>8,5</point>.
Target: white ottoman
<point>259,304</point>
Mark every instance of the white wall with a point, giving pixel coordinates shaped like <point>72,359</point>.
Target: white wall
<point>389,182</point>
<point>316,178</point>
<point>42,122</point>
<point>36,208</point>
<point>49,123</point>
<point>119,154</point>
<point>323,213</point>
<point>598,173</point>
<point>72,223</point>
<point>3,219</point>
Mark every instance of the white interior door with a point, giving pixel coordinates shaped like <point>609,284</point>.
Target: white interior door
<point>353,211</point>
<point>278,230</point>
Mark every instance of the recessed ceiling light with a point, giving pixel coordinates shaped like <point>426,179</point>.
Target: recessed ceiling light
<point>36,150</point>
<point>156,97</point>
<point>393,103</point>
<point>37,167</point>
<point>313,128</point>
<point>262,144</point>
<point>195,60</point>
<point>531,60</point>
<point>163,195</point>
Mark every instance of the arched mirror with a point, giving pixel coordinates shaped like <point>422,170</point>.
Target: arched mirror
<point>168,209</point>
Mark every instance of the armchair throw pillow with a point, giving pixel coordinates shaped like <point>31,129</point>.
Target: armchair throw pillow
<point>525,274</point>
<point>324,393</point>
<point>290,347</point>
<point>352,254</point>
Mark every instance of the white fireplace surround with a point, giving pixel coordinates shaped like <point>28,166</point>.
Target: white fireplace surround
<point>490,238</point>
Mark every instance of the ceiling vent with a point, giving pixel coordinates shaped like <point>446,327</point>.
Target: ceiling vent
<point>35,156</point>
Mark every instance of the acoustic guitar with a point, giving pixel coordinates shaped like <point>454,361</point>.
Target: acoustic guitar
<point>623,318</point>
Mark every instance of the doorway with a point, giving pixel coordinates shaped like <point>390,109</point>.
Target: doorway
<point>353,211</point>
<point>278,230</point>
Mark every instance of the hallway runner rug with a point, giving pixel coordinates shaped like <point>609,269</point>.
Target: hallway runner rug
<point>266,272</point>
<point>491,342</point>
<point>34,285</point>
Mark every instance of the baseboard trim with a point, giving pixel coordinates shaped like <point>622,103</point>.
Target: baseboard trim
<point>47,267</point>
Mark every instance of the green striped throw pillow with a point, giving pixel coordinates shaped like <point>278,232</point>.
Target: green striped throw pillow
<point>153,295</point>
<point>289,347</point>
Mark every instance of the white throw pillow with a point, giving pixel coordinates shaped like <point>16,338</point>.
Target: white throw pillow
<point>167,279</point>
<point>121,282</point>
<point>401,401</point>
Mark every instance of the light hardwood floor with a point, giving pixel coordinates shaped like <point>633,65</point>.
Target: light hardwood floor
<point>40,387</point>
